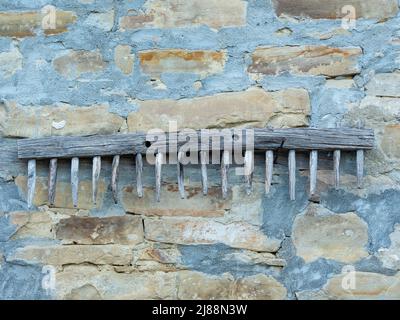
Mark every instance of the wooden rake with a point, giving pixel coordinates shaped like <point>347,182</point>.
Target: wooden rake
<point>267,141</point>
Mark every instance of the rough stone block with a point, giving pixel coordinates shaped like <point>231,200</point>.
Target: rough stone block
<point>126,230</point>
<point>301,60</point>
<point>251,108</point>
<point>174,13</point>
<point>61,119</point>
<point>332,9</point>
<point>321,234</point>
<point>200,231</point>
<point>204,63</point>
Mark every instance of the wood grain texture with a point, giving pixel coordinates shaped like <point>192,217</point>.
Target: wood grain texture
<point>336,168</point>
<point>313,171</point>
<point>31,182</point>
<point>204,177</point>
<point>181,176</point>
<point>158,167</point>
<point>10,165</point>
<point>269,168</point>
<point>126,144</point>
<point>225,162</point>
<point>360,168</point>
<point>114,177</point>
<point>95,177</point>
<point>248,170</point>
<point>292,175</point>
<point>52,180</point>
<point>75,180</point>
<point>139,171</point>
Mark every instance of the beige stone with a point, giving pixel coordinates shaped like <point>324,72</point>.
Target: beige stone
<point>195,204</point>
<point>259,287</point>
<point>328,9</point>
<point>10,62</point>
<point>199,286</point>
<point>86,292</point>
<point>246,208</point>
<point>174,13</point>
<point>75,63</point>
<point>251,108</point>
<point>33,224</point>
<point>61,119</point>
<point>124,59</point>
<point>256,258</point>
<point>341,237</point>
<point>157,253</point>
<point>390,141</point>
<point>311,60</point>
<point>384,85</point>
<point>201,231</point>
<point>368,286</point>
<point>108,230</point>
<point>26,24</point>
<point>85,282</point>
<point>58,255</point>
<point>390,256</point>
<point>63,193</point>
<point>204,63</point>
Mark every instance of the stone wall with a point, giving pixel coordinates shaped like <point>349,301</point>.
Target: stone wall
<point>116,66</point>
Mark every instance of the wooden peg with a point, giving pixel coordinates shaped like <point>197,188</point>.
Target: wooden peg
<point>75,180</point>
<point>360,168</point>
<point>269,167</point>
<point>248,170</point>
<point>114,177</point>
<point>139,170</point>
<point>224,173</point>
<point>203,162</point>
<point>336,168</point>
<point>313,171</point>
<point>52,181</point>
<point>181,176</point>
<point>159,161</point>
<point>292,174</point>
<point>31,182</point>
<point>95,177</point>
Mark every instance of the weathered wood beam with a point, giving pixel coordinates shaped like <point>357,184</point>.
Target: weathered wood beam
<point>114,177</point>
<point>313,171</point>
<point>31,182</point>
<point>139,170</point>
<point>269,167</point>
<point>336,168</point>
<point>292,175</point>
<point>360,168</point>
<point>75,180</point>
<point>181,176</point>
<point>225,161</point>
<point>158,166</point>
<point>248,170</point>
<point>204,178</point>
<point>126,144</point>
<point>95,178</point>
<point>52,180</point>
